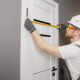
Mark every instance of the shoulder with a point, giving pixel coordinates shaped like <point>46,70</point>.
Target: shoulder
<point>69,51</point>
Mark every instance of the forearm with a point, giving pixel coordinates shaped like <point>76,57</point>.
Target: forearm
<point>39,40</point>
<point>51,49</point>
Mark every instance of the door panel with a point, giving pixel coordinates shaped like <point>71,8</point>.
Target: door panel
<point>43,29</point>
<point>42,12</point>
<point>35,64</point>
<point>42,76</point>
<point>41,60</point>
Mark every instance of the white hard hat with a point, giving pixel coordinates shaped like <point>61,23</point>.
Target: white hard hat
<point>75,20</point>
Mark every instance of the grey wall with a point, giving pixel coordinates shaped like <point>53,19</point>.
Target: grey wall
<point>67,9</point>
<point>10,39</point>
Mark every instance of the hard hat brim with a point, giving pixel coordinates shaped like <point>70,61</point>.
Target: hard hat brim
<point>68,21</point>
<point>73,24</point>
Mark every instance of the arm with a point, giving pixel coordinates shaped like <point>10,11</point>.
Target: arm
<point>53,50</point>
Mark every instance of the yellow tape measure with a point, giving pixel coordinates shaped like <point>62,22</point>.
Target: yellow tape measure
<point>40,23</point>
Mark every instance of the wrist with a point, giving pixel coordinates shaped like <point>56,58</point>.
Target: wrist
<point>33,29</point>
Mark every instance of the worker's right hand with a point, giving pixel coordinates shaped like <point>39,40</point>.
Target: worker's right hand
<point>29,26</point>
<point>62,26</point>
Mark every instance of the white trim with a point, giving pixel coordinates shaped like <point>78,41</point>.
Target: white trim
<point>51,2</point>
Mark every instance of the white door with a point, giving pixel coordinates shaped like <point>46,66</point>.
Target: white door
<point>35,64</point>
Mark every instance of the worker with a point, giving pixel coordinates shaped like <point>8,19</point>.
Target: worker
<point>69,52</point>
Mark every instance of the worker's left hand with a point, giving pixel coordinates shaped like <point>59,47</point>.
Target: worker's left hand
<point>29,26</point>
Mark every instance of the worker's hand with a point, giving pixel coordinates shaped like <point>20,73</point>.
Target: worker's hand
<point>62,26</point>
<point>29,26</point>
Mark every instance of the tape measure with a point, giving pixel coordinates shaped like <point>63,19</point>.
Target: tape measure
<point>34,22</point>
<point>59,26</point>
